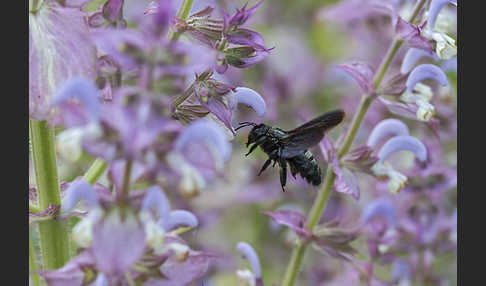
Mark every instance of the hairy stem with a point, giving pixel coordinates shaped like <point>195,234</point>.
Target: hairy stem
<point>53,233</point>
<point>315,213</point>
<point>183,12</point>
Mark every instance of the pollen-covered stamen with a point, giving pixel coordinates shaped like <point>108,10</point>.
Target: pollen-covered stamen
<point>154,233</point>
<point>396,180</point>
<point>423,94</point>
<point>181,251</point>
<point>384,170</point>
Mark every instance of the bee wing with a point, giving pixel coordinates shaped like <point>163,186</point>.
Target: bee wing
<point>310,133</point>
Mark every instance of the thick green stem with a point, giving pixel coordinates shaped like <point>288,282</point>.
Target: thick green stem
<point>35,279</point>
<point>183,12</point>
<point>315,213</point>
<point>53,233</point>
<point>95,171</point>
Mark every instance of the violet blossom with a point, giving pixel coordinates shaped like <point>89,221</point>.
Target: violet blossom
<point>445,46</point>
<point>423,93</point>
<point>147,223</point>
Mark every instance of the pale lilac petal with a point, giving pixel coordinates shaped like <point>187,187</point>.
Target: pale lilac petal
<point>79,190</point>
<point>208,131</point>
<point>249,97</point>
<point>450,65</point>
<point>96,20</point>
<point>220,110</point>
<point>401,270</point>
<point>101,280</point>
<point>328,150</point>
<point>242,15</point>
<point>294,220</point>
<point>411,34</point>
<point>112,9</point>
<point>412,56</point>
<point>76,3</point>
<point>425,71</point>
<point>59,48</point>
<point>180,218</point>
<point>380,208</point>
<point>385,129</point>
<point>400,143</point>
<point>250,254</point>
<point>155,198</point>
<point>350,10</point>
<point>394,85</point>
<point>346,182</point>
<point>166,10</point>
<point>71,274</point>
<point>151,8</point>
<point>246,37</point>
<point>82,89</point>
<point>112,42</point>
<point>435,7</point>
<point>117,244</point>
<point>362,73</point>
<point>182,273</point>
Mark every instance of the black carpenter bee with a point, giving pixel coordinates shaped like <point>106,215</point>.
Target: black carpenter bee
<point>290,147</point>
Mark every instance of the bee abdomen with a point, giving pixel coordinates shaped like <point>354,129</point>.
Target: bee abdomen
<point>305,165</point>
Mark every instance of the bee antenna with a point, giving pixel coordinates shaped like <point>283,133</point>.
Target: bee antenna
<point>245,124</point>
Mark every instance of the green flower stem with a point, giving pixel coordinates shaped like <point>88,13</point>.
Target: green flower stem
<point>95,171</point>
<point>33,264</point>
<point>33,208</point>
<point>126,178</point>
<point>52,233</point>
<point>315,213</point>
<point>183,12</point>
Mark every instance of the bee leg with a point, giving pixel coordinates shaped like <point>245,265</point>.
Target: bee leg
<point>283,172</point>
<point>265,166</point>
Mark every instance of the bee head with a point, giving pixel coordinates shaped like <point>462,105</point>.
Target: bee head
<point>256,132</point>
